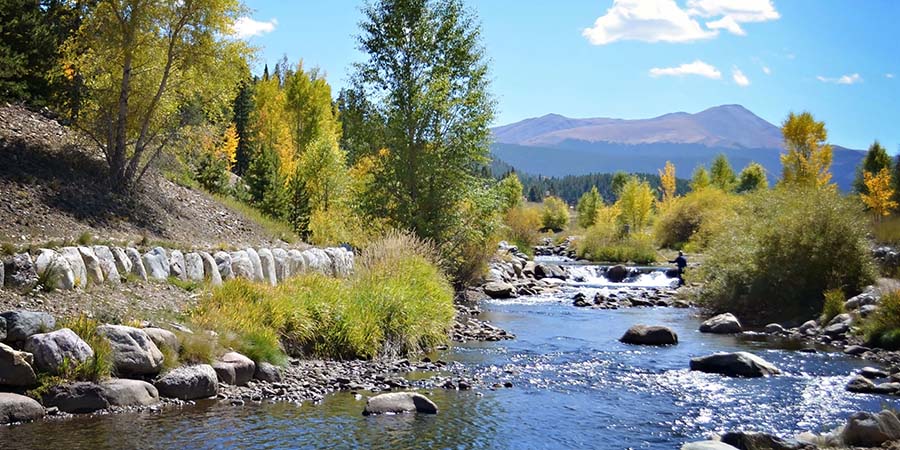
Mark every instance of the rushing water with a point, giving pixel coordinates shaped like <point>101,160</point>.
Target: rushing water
<point>575,386</point>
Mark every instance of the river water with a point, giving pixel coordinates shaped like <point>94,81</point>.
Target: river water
<point>574,386</point>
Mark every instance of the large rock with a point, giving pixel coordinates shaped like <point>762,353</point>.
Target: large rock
<point>73,257</point>
<point>124,392</point>
<point>707,445</point>
<point>133,352</point>
<point>22,324</point>
<point>617,274</point>
<point>341,261</point>
<point>52,350</point>
<point>76,398</point>
<point>256,263</point>
<point>296,263</point>
<point>91,265</point>
<point>211,269</point>
<point>317,261</point>
<point>223,263</point>
<point>762,441</point>
<point>267,262</point>
<point>722,324</point>
<point>123,263</point>
<point>649,335</point>
<point>15,367</point>
<point>400,402</point>
<point>163,338</point>
<point>177,265</point>
<point>108,264</point>
<point>860,385</point>
<point>865,429</point>
<point>498,289</point>
<point>189,383</point>
<point>739,364</point>
<point>19,408</point>
<point>549,271</point>
<point>267,372</point>
<point>55,270</point>
<point>235,368</point>
<point>282,264</point>
<point>138,268</point>
<point>19,272</point>
<point>193,267</point>
<point>156,262</point>
<point>242,266</point>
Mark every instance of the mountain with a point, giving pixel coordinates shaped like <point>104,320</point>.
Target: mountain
<point>555,145</point>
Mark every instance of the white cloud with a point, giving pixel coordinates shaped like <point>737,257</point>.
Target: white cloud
<point>739,78</point>
<point>646,20</point>
<point>889,75</point>
<point>697,67</point>
<point>739,10</point>
<point>727,23</point>
<point>766,70</point>
<point>246,27</point>
<point>844,79</point>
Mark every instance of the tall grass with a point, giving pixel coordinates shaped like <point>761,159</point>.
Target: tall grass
<point>882,328</point>
<point>99,366</point>
<point>887,230</point>
<point>397,303</point>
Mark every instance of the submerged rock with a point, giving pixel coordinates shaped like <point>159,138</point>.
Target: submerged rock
<point>722,324</point>
<point>617,274</point>
<point>19,408</point>
<point>400,402</point>
<point>649,335</point>
<point>738,364</point>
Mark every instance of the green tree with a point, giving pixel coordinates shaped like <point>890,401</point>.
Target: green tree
<point>618,181</point>
<point>362,125</point>
<point>427,69</point>
<point>752,178</point>
<point>700,179</point>
<point>139,61</point>
<point>510,191</point>
<point>266,183</point>
<point>587,207</point>
<point>876,159</point>
<point>721,174</point>
<point>807,157</point>
<point>555,215</point>
<point>243,110</point>
<point>635,205</point>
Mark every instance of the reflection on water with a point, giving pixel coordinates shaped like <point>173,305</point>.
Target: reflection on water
<point>575,386</point>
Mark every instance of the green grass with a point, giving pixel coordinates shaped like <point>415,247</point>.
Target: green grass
<point>85,238</point>
<point>98,367</point>
<point>196,348</point>
<point>278,229</point>
<point>882,328</point>
<point>186,285</point>
<point>833,306</point>
<point>887,231</point>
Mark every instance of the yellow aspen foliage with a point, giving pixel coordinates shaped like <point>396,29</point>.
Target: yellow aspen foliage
<point>879,198</point>
<point>667,182</point>
<point>635,205</point>
<point>807,159</point>
<point>228,148</point>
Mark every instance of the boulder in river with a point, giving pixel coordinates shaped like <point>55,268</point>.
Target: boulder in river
<point>188,382</point>
<point>124,392</point>
<point>400,402</point>
<point>865,429</point>
<point>649,335</point>
<point>133,352</point>
<point>738,364</point>
<point>51,350</point>
<point>19,408</point>
<point>234,368</point>
<point>549,271</point>
<point>744,440</point>
<point>707,445</point>
<point>498,289</point>
<point>15,368</point>
<point>722,324</point>
<point>77,398</point>
<point>617,274</point>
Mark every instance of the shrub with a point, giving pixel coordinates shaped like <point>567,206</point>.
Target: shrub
<point>887,230</point>
<point>635,205</point>
<point>782,249</point>
<point>522,226</point>
<point>587,207</point>
<point>196,348</point>
<point>99,366</point>
<point>555,215</point>
<point>212,173</point>
<point>603,241</point>
<point>692,219</point>
<point>882,328</point>
<point>833,306</point>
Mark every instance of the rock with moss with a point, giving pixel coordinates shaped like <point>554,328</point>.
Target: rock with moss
<point>133,352</point>
<point>19,408</point>
<point>54,349</point>
<point>189,382</point>
<point>16,367</point>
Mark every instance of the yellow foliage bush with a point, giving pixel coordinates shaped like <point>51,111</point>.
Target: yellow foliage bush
<point>689,221</point>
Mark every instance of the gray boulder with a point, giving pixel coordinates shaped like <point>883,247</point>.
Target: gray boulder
<point>163,338</point>
<point>123,263</point>
<point>189,382</point>
<point>282,264</point>
<point>317,261</point>
<point>242,266</point>
<point>707,445</point>
<point>21,324</point>
<point>341,261</point>
<point>76,398</point>
<point>267,372</point>
<point>400,402</point>
<point>124,392</point>
<point>91,265</point>
<point>722,324</point>
<point>19,408</point>
<point>498,289</point>
<point>73,257</point>
<point>836,329</point>
<point>18,272</point>
<point>15,367</point>
<point>856,350</point>
<point>549,271</point>
<point>649,335</point>
<point>256,263</point>
<point>193,267</point>
<point>177,265</point>
<point>865,429</point>
<point>224,372</point>
<point>296,263</point>
<point>108,264</point>
<point>137,263</point>
<point>55,269</point>
<point>52,349</point>
<point>617,274</point>
<point>223,263</point>
<point>210,269</point>
<point>267,263</point>
<point>156,262</point>
<point>133,352</point>
<point>235,368</point>
<point>739,364</point>
<point>860,385</point>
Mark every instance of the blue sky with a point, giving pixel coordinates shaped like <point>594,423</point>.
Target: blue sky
<point>839,59</point>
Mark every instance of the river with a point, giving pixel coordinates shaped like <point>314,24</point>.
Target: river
<point>574,386</point>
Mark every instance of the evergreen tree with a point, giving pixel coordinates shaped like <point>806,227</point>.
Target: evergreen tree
<point>243,108</point>
<point>265,182</point>
<point>700,179</point>
<point>753,178</point>
<point>876,159</point>
<point>721,174</point>
<point>618,181</point>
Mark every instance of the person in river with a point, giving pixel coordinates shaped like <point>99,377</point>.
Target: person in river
<point>681,262</point>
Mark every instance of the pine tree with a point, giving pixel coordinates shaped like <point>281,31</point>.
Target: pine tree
<point>243,109</point>
<point>721,174</point>
<point>752,178</point>
<point>700,179</point>
<point>876,159</point>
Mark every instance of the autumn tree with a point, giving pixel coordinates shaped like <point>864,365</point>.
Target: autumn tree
<point>700,179</point>
<point>140,59</point>
<point>752,178</point>
<point>721,174</point>
<point>510,191</point>
<point>555,214</point>
<point>807,157</point>
<point>879,196</point>
<point>876,159</point>
<point>667,182</point>
<point>587,207</point>
<point>635,204</point>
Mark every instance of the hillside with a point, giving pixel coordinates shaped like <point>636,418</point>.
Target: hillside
<point>52,189</point>
<point>554,145</point>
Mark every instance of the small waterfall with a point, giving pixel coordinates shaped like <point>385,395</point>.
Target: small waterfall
<point>595,276</point>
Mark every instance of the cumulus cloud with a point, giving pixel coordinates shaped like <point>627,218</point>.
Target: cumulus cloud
<point>697,67</point>
<point>665,21</point>
<point>844,79</point>
<point>246,27</point>
<point>739,78</point>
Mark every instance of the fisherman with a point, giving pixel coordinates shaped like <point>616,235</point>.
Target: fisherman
<point>681,262</point>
